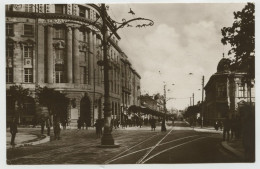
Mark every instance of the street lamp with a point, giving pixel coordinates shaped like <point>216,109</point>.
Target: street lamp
<point>107,138</point>
<point>163,127</point>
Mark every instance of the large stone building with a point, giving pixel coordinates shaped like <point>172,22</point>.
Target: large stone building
<point>225,90</point>
<point>58,46</point>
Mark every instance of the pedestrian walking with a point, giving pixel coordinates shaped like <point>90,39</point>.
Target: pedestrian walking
<point>226,129</point>
<point>64,123</point>
<point>13,130</point>
<point>57,130</point>
<point>216,125</point>
<point>98,126</point>
<point>233,127</point>
<point>163,127</point>
<point>48,126</point>
<point>42,125</point>
<point>238,127</point>
<point>79,123</point>
<point>153,124</point>
<point>141,122</point>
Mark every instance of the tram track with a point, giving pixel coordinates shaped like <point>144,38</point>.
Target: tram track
<point>141,152</point>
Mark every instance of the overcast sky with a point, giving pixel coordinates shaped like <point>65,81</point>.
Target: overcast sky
<point>186,38</point>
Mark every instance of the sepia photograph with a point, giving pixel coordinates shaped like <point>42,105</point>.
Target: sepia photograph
<point>128,83</point>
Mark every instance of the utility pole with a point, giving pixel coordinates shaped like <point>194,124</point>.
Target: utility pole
<point>192,99</point>
<point>202,100</point>
<point>163,128</point>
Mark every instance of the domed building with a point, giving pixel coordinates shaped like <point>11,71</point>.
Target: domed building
<point>224,91</point>
<point>58,46</point>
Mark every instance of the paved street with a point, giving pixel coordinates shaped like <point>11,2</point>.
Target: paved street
<point>179,144</point>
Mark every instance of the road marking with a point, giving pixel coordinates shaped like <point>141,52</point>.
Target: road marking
<point>171,148</point>
<point>112,159</point>
<point>141,159</point>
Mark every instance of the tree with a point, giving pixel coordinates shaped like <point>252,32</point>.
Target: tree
<point>56,102</point>
<point>241,37</point>
<point>15,97</point>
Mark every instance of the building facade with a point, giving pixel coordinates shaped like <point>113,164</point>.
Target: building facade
<point>59,46</point>
<point>225,90</point>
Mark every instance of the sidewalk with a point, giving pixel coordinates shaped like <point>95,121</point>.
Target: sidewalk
<point>31,136</point>
<point>26,137</point>
<point>234,146</point>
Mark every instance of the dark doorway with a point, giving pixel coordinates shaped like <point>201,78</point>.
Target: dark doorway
<point>85,112</point>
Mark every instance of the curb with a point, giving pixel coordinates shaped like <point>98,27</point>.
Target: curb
<point>46,139</point>
<point>232,150</point>
<point>207,130</point>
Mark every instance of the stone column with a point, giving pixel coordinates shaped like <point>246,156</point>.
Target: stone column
<point>40,54</point>
<point>50,54</point>
<point>91,52</point>
<point>76,56</point>
<point>69,56</point>
<point>94,61</point>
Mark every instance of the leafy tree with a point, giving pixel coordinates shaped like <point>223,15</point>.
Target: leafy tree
<point>241,37</point>
<point>56,102</point>
<point>16,96</point>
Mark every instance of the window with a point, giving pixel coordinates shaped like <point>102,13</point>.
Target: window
<point>28,8</point>
<point>8,7</point>
<point>9,29</point>
<point>9,50</point>
<point>83,75</point>
<point>58,77</point>
<point>59,73</point>
<point>241,90</point>
<point>87,11</point>
<point>60,9</point>
<point>83,36</point>
<point>97,16</point>
<point>28,75</point>
<point>83,56</point>
<point>28,30</point>
<point>59,54</point>
<point>59,33</point>
<point>9,75</point>
<point>28,52</point>
<point>221,91</point>
<point>82,12</point>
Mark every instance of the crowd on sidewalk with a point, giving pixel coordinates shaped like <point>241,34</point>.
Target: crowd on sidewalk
<point>239,134</point>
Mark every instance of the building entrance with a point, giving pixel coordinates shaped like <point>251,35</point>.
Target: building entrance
<point>85,111</point>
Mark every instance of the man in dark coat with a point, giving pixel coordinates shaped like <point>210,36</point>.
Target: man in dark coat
<point>42,125</point>
<point>56,129</point>
<point>153,126</point>
<point>13,130</point>
<point>226,130</point>
<point>98,126</point>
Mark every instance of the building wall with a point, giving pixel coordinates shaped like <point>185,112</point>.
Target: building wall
<point>223,94</point>
<point>64,50</point>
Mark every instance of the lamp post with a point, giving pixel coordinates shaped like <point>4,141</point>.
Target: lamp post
<point>163,127</point>
<point>107,139</point>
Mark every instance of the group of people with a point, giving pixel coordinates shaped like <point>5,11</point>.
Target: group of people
<point>99,124</point>
<point>81,123</point>
<point>231,128</point>
<point>45,122</point>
